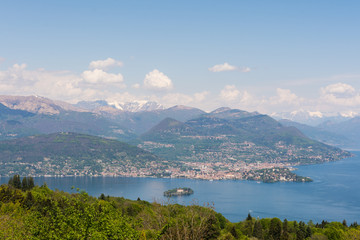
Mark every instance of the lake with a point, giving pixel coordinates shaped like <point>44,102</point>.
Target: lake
<point>333,196</point>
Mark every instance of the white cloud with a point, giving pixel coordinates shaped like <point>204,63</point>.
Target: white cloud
<point>222,67</point>
<point>340,94</point>
<point>173,99</point>
<point>136,85</point>
<point>227,67</point>
<point>157,80</point>
<point>105,64</point>
<point>201,96</point>
<point>245,69</point>
<point>98,76</point>
<point>18,80</point>
<point>349,114</point>
<point>97,83</point>
<point>285,96</point>
<point>229,93</point>
<point>247,98</point>
<point>338,89</point>
<point>62,85</point>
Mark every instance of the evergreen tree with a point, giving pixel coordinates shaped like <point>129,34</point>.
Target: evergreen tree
<point>31,183</point>
<point>354,225</point>
<point>285,231</point>
<point>24,184</point>
<point>296,226</point>
<point>344,223</point>
<point>16,182</point>
<point>102,197</point>
<point>301,232</point>
<point>323,223</point>
<point>258,231</point>
<point>249,217</point>
<point>308,232</point>
<point>11,181</point>
<point>29,200</point>
<point>275,228</point>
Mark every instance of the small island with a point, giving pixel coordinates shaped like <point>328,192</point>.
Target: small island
<point>178,192</point>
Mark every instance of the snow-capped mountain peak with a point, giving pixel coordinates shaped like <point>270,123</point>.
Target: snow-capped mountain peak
<point>137,106</point>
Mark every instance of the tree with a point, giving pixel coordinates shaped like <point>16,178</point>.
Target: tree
<point>354,225</point>
<point>258,231</point>
<point>29,200</point>
<point>344,223</point>
<point>249,217</point>
<point>301,232</point>
<point>275,228</point>
<point>15,181</point>
<point>285,231</point>
<point>24,184</point>
<point>102,197</point>
<point>31,183</point>
<point>296,226</point>
<point>308,232</point>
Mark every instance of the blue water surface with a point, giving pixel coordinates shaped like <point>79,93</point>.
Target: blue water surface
<point>333,196</point>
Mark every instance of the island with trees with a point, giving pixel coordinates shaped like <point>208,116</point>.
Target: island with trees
<point>178,192</point>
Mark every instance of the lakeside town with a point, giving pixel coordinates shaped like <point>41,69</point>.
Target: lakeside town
<point>265,172</point>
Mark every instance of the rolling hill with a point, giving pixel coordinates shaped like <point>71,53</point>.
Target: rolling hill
<point>70,154</point>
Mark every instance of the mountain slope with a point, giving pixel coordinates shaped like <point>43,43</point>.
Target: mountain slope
<point>25,116</point>
<point>248,138</point>
<point>38,105</point>
<point>70,154</point>
<point>337,139</point>
<point>143,121</point>
<point>350,129</point>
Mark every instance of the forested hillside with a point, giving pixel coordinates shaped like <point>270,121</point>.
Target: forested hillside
<point>71,154</point>
<point>40,213</point>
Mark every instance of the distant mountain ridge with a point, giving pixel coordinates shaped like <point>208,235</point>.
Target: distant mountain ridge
<point>42,116</point>
<point>136,106</point>
<point>38,105</point>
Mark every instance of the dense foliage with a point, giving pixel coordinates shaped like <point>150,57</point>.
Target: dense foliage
<point>40,213</point>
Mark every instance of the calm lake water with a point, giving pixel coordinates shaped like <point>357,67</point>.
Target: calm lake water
<point>333,196</point>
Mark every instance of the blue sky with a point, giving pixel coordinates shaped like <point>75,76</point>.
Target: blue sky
<point>269,56</point>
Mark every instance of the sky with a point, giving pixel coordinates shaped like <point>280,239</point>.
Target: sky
<point>266,56</point>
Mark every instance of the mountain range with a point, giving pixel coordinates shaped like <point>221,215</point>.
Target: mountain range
<point>230,135</point>
<point>181,133</point>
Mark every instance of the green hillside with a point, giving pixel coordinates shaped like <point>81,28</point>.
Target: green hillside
<point>40,213</point>
<point>235,136</point>
<point>70,154</point>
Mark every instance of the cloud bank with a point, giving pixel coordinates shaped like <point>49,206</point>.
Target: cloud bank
<point>97,83</point>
